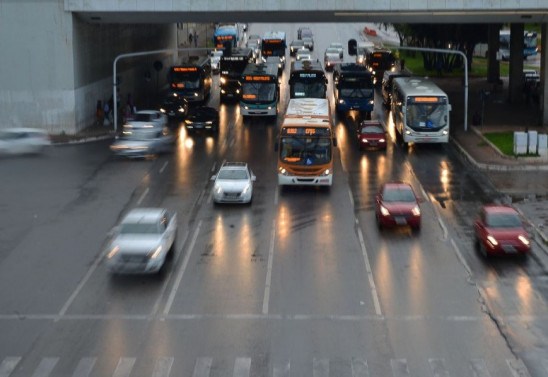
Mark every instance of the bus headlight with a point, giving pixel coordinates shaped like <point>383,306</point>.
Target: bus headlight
<point>181,110</point>
<point>282,171</point>
<point>407,131</point>
<point>326,172</point>
<point>341,101</point>
<point>444,132</point>
<point>196,94</point>
<point>223,80</point>
<point>372,102</point>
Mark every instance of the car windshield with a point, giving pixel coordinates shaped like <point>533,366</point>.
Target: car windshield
<point>139,228</point>
<point>503,220</point>
<point>233,174</point>
<point>372,130</point>
<point>139,117</point>
<point>398,195</point>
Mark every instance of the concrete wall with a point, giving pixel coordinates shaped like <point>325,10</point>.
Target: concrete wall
<point>55,66</point>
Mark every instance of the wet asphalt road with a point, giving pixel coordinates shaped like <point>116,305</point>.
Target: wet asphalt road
<point>301,282</point>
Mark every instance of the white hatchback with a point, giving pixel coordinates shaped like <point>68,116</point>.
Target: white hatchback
<point>19,141</point>
<point>233,183</point>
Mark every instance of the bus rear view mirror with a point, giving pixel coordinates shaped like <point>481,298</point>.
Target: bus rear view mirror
<point>352,47</point>
<point>334,141</point>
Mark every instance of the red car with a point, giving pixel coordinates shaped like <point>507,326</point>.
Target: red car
<point>397,204</point>
<point>499,230</point>
<point>371,134</point>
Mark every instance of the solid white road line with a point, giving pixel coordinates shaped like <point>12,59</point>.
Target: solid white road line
<point>268,282</point>
<point>142,197</point>
<point>376,300</point>
<point>164,167</point>
<point>181,270</point>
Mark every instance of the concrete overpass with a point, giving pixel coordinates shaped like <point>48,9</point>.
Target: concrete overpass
<point>57,54</point>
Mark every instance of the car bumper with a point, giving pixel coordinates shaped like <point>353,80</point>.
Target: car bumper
<point>506,248</point>
<point>392,221</point>
<point>294,180</point>
<point>135,265</point>
<point>232,198</point>
<point>372,144</point>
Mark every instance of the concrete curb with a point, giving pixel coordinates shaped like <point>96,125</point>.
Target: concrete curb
<point>83,140</point>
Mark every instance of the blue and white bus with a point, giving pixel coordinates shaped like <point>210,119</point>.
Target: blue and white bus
<point>224,34</point>
<point>420,110</point>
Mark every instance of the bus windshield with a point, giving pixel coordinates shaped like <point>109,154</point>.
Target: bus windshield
<point>259,92</point>
<point>305,150</point>
<point>421,116</point>
<point>187,80</point>
<point>308,89</point>
<point>355,88</point>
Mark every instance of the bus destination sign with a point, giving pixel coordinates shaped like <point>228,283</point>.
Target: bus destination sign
<point>306,131</point>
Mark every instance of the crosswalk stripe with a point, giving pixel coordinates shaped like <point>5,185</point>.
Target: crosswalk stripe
<point>84,367</point>
<point>45,367</point>
<point>162,368</point>
<point>320,367</point>
<point>518,368</point>
<point>399,367</point>
<point>281,370</point>
<point>438,368</point>
<point>124,367</point>
<point>202,367</point>
<point>242,367</point>
<point>8,365</point>
<point>479,368</point>
<point>359,368</point>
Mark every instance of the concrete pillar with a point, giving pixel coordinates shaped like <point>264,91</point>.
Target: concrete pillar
<point>544,75</point>
<point>493,65</point>
<point>515,83</point>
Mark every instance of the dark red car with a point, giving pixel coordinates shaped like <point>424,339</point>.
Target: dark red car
<point>371,134</point>
<point>499,230</point>
<point>397,205</point>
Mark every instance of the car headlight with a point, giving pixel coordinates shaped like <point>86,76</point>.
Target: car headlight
<point>209,122</point>
<point>162,110</point>
<point>188,121</point>
<point>181,110</point>
<point>154,254</point>
<point>372,102</point>
<point>364,140</point>
<point>382,140</point>
<point>113,252</point>
<point>416,211</point>
<point>223,80</point>
<point>218,189</point>
<point>384,211</point>
<point>196,94</point>
<point>341,101</point>
<point>492,240</point>
<point>246,189</point>
<point>524,240</point>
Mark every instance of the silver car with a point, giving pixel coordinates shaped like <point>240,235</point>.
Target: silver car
<point>142,241</point>
<point>303,54</point>
<point>233,183</point>
<point>147,119</point>
<point>331,58</point>
<point>144,142</point>
<point>18,141</point>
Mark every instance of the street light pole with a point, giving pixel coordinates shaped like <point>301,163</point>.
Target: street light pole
<point>455,52</point>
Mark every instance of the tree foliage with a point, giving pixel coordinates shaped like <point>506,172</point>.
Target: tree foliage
<point>461,37</point>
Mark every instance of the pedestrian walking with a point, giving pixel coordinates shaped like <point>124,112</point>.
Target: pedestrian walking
<point>99,113</point>
<point>106,114</point>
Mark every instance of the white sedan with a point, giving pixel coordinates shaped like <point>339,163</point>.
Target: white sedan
<point>147,119</point>
<point>303,54</point>
<point>14,141</point>
<point>143,241</point>
<point>233,183</point>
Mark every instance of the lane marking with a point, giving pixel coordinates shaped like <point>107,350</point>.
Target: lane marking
<point>80,285</point>
<point>181,244</point>
<point>359,367</point>
<point>268,282</point>
<point>124,367</point>
<point>85,366</point>
<point>164,167</point>
<point>461,257</point>
<point>376,301</point>
<point>242,367</point>
<point>182,270</point>
<point>142,197</point>
<point>162,368</point>
<point>351,197</point>
<point>202,367</point>
<point>45,367</point>
<point>399,367</point>
<point>8,365</point>
<point>437,366</point>
<point>438,216</point>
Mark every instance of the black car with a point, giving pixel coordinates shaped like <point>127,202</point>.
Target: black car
<point>202,118</point>
<point>174,106</point>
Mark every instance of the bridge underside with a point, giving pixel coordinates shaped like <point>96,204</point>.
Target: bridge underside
<point>446,16</point>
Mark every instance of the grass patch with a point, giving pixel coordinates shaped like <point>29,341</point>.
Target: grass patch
<point>504,141</point>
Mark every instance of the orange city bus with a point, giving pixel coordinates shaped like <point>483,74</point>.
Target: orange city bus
<point>306,143</point>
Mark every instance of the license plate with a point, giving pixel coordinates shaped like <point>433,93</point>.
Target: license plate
<point>400,220</point>
<point>509,249</point>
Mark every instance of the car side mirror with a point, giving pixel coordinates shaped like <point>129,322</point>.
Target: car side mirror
<point>253,178</point>
<point>213,177</point>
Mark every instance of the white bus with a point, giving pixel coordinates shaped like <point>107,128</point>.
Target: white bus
<point>420,110</point>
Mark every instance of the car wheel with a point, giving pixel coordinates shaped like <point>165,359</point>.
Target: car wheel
<point>416,229</point>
